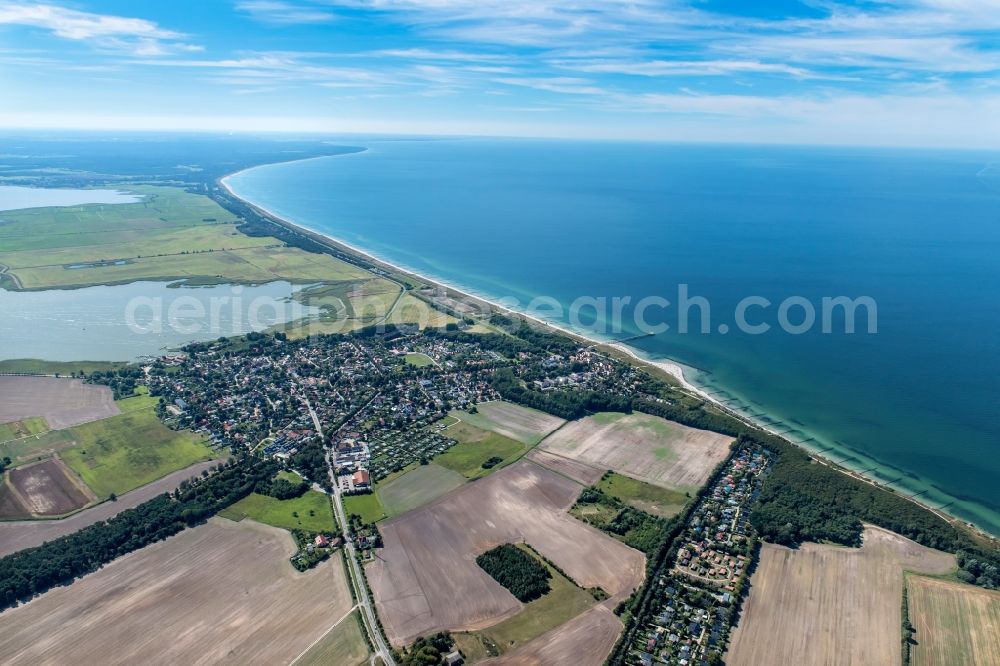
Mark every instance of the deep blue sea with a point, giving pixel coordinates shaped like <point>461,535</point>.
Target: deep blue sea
<point>916,404</point>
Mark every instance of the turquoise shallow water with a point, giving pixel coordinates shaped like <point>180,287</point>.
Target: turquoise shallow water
<point>915,404</point>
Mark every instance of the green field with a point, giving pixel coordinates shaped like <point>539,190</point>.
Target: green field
<point>344,645</point>
<point>121,453</point>
<point>563,602</point>
<point>417,487</point>
<point>369,507</point>
<point>646,497</point>
<point>475,447</point>
<point>171,234</point>
<point>311,511</point>
<point>36,447</point>
<point>34,366</point>
<point>419,360</point>
<point>35,425</point>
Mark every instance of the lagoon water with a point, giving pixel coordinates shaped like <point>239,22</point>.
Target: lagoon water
<point>14,197</point>
<point>916,404</point>
<point>125,322</point>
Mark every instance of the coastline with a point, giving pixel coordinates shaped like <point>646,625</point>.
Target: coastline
<point>668,367</point>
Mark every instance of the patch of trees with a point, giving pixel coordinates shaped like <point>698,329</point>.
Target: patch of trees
<point>524,576</point>
<point>636,528</point>
<point>310,460</point>
<point>27,573</point>
<point>492,462</point>
<point>283,489</point>
<point>123,381</point>
<point>566,404</point>
<point>430,650</point>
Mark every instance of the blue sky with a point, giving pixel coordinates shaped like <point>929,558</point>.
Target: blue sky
<point>878,72</point>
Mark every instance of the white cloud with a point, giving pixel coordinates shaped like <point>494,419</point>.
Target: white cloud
<point>278,12</point>
<point>135,35</point>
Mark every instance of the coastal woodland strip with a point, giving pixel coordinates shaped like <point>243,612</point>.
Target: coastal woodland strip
<point>31,572</point>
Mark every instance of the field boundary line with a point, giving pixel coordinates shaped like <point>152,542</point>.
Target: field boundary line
<point>325,633</point>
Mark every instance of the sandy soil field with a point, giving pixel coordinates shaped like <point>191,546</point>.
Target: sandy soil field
<point>574,469</point>
<point>219,593</point>
<point>17,535</point>
<point>826,605</point>
<point>586,640</point>
<point>955,623</point>
<point>63,402</point>
<point>426,578</point>
<point>46,488</point>
<point>644,447</point>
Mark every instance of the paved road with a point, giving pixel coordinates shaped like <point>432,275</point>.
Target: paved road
<point>382,649</point>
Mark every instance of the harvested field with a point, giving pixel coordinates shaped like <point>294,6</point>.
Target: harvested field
<point>523,424</point>
<point>574,469</point>
<point>423,484</point>
<point>829,604</point>
<point>585,640</point>
<point>62,402</point>
<point>426,578</point>
<point>15,536</point>
<point>47,488</point>
<point>343,645</point>
<point>219,593</point>
<point>954,623</point>
<point>644,447</point>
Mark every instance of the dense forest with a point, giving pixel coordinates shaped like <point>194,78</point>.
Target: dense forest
<point>27,573</point>
<point>525,577</point>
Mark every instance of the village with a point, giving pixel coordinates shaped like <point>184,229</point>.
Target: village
<point>693,617</point>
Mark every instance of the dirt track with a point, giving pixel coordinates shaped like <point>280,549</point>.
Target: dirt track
<point>63,402</point>
<point>823,605</point>
<point>218,593</point>
<point>426,578</point>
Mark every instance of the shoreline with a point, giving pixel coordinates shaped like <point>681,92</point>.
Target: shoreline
<point>669,367</point>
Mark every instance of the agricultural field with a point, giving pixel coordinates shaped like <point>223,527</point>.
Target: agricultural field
<point>311,511</point>
<point>523,424</point>
<point>643,496</point>
<point>824,604</point>
<point>221,592</point>
<point>121,453</point>
<point>417,487</point>
<point>61,402</point>
<point>344,645</point>
<point>34,366</point>
<point>475,447</point>
<point>412,310</point>
<point>586,640</point>
<point>44,488</point>
<point>580,472</point>
<point>426,578</point>
<point>368,506</point>
<point>35,425</point>
<point>562,603</point>
<point>954,623</point>
<point>21,534</point>
<point>644,447</point>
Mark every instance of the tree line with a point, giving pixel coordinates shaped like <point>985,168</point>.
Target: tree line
<point>33,571</point>
<point>524,576</point>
